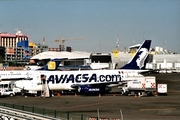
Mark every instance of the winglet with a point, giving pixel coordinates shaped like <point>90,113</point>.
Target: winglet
<point>140,58</point>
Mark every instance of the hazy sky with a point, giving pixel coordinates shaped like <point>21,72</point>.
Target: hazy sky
<point>97,21</point>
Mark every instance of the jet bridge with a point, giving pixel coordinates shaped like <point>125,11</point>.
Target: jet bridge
<point>101,61</point>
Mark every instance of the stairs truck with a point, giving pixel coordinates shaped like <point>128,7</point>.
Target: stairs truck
<point>139,85</point>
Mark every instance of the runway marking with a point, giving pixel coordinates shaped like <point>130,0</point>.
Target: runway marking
<point>158,109</point>
<point>88,105</point>
<point>174,80</point>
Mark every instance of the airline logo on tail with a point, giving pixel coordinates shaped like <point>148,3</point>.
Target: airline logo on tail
<point>142,57</point>
<point>51,65</point>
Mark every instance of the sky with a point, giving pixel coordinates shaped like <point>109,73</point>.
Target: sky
<point>99,22</point>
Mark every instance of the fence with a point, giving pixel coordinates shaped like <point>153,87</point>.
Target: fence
<point>57,114</point>
<point>46,112</point>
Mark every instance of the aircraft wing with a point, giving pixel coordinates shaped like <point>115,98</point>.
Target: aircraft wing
<point>147,72</point>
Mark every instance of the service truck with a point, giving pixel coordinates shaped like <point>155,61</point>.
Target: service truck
<point>139,85</point>
<point>7,88</point>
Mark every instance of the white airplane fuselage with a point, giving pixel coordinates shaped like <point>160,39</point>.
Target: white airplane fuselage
<point>64,80</point>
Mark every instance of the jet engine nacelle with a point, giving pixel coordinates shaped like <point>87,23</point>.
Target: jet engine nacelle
<point>93,89</point>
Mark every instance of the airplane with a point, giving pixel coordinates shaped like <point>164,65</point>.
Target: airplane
<point>87,81</point>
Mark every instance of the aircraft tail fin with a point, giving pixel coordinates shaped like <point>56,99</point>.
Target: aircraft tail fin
<point>52,64</point>
<point>140,58</point>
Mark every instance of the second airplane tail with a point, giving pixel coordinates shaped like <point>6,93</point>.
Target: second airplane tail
<point>52,65</point>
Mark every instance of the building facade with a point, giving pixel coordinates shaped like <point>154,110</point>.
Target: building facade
<point>11,40</point>
<point>18,48</point>
<point>39,48</point>
<point>13,50</point>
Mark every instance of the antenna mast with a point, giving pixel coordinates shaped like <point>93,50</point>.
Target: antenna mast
<point>117,42</point>
<point>134,40</point>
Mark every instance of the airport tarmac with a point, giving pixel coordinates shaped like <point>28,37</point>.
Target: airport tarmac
<point>109,106</point>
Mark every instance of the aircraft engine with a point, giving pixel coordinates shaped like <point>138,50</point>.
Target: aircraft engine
<point>93,89</point>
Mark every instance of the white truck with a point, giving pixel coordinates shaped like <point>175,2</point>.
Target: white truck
<point>139,85</point>
<point>7,88</point>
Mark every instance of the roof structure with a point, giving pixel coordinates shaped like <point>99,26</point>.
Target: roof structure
<point>62,55</point>
<point>168,57</point>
